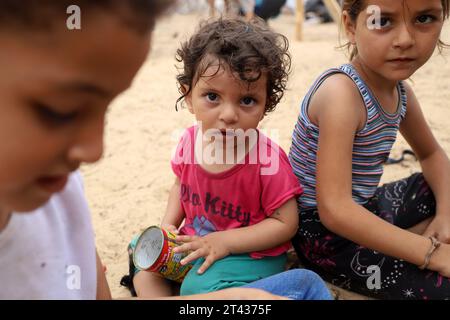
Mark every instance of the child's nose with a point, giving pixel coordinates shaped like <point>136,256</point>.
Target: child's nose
<point>88,144</point>
<point>404,38</point>
<point>229,113</point>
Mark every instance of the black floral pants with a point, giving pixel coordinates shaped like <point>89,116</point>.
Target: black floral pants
<point>404,203</point>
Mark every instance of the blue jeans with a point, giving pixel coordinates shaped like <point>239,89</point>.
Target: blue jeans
<point>296,284</point>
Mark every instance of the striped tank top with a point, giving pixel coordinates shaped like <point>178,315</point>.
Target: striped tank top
<point>371,148</point>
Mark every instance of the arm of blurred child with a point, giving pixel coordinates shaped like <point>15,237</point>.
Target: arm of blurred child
<point>103,292</point>
<point>224,294</point>
<point>174,212</point>
<point>231,294</point>
<point>275,230</point>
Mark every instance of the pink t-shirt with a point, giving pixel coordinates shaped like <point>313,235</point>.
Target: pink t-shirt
<point>244,195</point>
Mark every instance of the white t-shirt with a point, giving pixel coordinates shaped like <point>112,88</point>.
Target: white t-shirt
<point>49,253</point>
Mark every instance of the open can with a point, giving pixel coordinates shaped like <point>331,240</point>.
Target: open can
<point>154,253</point>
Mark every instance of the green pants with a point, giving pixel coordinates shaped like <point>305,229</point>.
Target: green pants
<point>231,271</point>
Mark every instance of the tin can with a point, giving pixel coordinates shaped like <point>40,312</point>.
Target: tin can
<point>154,253</point>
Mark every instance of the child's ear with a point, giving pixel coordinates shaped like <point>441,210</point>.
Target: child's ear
<point>187,98</point>
<point>349,27</point>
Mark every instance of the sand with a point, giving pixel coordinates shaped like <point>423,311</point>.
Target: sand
<point>128,189</point>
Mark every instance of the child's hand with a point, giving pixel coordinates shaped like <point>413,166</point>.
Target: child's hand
<point>212,247</point>
<point>439,228</point>
<point>171,228</point>
<point>440,260</point>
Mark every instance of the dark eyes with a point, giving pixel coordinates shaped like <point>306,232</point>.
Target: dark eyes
<point>49,114</point>
<point>248,101</point>
<point>211,97</point>
<point>386,22</point>
<point>426,18</point>
<point>214,98</point>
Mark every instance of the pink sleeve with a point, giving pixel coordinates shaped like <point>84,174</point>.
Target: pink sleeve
<point>177,168</point>
<point>279,185</point>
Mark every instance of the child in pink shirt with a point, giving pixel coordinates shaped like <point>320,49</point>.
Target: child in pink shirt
<point>234,188</point>
<point>238,197</point>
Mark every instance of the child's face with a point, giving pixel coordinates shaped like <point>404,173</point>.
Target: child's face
<point>220,100</point>
<point>405,39</point>
<point>54,91</point>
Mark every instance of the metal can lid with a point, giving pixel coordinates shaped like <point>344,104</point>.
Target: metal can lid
<point>148,248</point>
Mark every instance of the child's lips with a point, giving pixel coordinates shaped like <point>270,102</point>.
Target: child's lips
<point>53,183</point>
<point>402,60</point>
<point>229,132</point>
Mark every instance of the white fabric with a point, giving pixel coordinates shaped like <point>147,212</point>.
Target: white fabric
<point>49,253</point>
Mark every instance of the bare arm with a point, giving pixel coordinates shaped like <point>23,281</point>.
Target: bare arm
<point>230,294</point>
<point>103,292</point>
<point>434,162</point>
<point>224,294</point>
<point>275,230</point>
<point>174,212</point>
<point>338,124</point>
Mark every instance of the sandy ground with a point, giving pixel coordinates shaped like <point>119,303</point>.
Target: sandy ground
<point>128,189</point>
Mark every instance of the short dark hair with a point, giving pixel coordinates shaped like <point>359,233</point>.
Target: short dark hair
<point>40,14</point>
<point>248,48</point>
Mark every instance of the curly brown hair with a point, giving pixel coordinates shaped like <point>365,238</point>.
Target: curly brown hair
<point>37,15</point>
<point>248,48</point>
<point>354,8</point>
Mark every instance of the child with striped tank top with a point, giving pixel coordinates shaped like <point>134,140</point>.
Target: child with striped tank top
<point>393,241</point>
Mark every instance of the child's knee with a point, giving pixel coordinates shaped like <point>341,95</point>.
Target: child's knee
<point>305,277</point>
<point>314,286</point>
<point>150,285</point>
